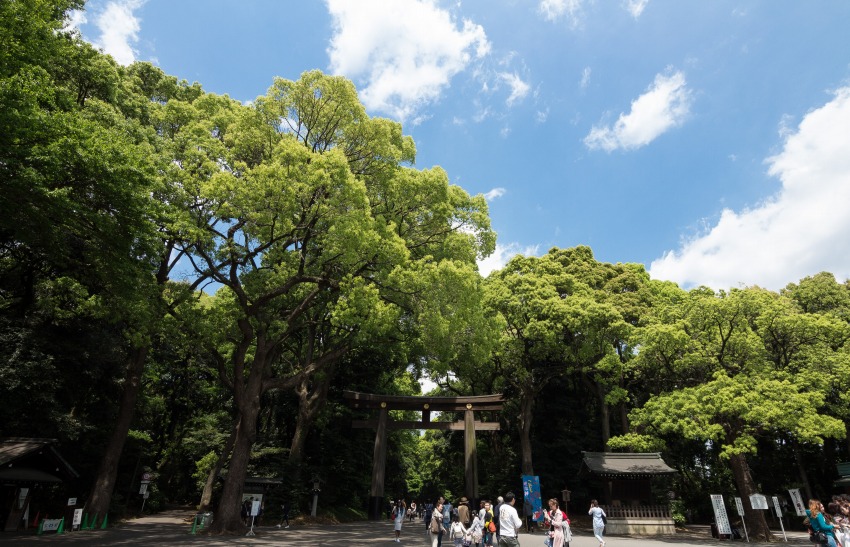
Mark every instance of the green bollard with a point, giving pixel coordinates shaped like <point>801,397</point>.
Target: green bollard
<point>194,524</point>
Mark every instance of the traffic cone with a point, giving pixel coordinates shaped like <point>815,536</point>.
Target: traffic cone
<point>61,529</point>
<point>105,518</point>
<point>38,532</point>
<point>85,525</point>
<point>91,524</point>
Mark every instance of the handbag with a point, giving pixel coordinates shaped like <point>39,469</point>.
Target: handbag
<point>492,526</point>
<point>435,526</point>
<point>818,537</point>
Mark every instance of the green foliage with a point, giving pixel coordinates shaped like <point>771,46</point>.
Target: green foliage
<point>339,265</point>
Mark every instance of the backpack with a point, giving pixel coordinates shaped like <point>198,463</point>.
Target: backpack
<point>457,531</point>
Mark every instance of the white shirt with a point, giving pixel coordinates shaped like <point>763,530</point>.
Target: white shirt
<point>509,521</point>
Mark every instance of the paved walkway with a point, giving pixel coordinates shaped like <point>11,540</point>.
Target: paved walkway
<point>171,528</point>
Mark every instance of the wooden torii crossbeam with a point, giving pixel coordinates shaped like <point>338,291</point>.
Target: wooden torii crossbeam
<point>384,403</point>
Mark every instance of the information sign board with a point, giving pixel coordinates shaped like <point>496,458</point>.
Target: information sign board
<point>777,507</point>
<point>797,500</point>
<point>720,516</point>
<point>758,501</point>
<point>50,525</point>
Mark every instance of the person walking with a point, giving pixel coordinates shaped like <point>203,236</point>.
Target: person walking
<point>509,522</point>
<point>447,514</point>
<point>499,501</point>
<point>476,530</point>
<point>399,511</point>
<point>555,519</point>
<point>284,515</point>
<point>819,524</point>
<point>457,531</point>
<point>435,528</point>
<point>599,517</point>
<point>463,512</point>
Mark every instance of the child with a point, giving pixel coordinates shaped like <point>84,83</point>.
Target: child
<point>457,531</point>
<point>476,530</point>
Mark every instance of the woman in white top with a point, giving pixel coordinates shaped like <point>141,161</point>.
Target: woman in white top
<point>598,524</point>
<point>435,529</point>
<point>398,516</point>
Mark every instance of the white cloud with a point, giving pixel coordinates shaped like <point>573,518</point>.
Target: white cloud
<point>502,255</point>
<point>119,30</point>
<point>542,115</point>
<point>494,193</point>
<point>636,7</point>
<point>585,77</point>
<point>800,231</point>
<point>553,10</point>
<point>402,54</point>
<point>665,105</point>
<point>519,89</point>
<point>75,19</point>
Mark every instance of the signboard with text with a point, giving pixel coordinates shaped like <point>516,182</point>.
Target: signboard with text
<point>777,507</point>
<point>739,505</point>
<point>758,501</point>
<point>720,516</point>
<point>797,500</point>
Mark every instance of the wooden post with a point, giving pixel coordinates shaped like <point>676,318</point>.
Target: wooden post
<point>470,456</point>
<point>379,460</point>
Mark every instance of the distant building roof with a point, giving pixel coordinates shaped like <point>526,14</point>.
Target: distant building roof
<point>32,460</point>
<point>626,464</point>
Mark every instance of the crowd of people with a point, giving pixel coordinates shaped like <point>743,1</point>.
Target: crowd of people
<point>491,525</point>
<point>831,525</point>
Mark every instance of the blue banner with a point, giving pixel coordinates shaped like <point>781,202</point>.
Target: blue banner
<point>531,491</point>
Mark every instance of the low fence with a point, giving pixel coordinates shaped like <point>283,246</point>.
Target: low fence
<point>639,520</point>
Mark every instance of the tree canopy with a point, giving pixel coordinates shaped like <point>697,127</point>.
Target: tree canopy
<point>188,284</point>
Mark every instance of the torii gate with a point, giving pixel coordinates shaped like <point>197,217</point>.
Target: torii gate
<point>385,403</point>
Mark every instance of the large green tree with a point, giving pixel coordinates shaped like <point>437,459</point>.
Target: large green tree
<point>565,314</point>
<point>318,230</point>
<point>731,368</point>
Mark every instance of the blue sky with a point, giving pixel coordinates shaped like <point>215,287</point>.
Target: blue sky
<point>709,141</point>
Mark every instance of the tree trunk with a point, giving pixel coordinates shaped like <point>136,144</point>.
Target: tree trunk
<point>604,415</point>
<point>311,400</point>
<point>801,468</point>
<point>104,484</point>
<point>227,518</point>
<point>246,396</point>
<point>847,436</point>
<point>206,495</point>
<point>754,518</point>
<point>526,405</point>
<point>624,418</point>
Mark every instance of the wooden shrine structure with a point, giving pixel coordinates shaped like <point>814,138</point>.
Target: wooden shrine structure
<point>384,403</point>
<point>626,480</point>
